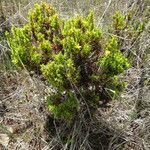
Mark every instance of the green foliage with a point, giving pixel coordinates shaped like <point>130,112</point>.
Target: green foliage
<point>124,24</point>
<point>119,22</point>
<point>72,56</point>
<point>128,29</point>
<point>60,72</point>
<point>34,42</point>
<point>63,106</point>
<point>113,63</point>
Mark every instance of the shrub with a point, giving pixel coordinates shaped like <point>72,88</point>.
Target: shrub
<point>128,29</point>
<point>72,56</point>
<point>126,26</point>
<point>63,106</point>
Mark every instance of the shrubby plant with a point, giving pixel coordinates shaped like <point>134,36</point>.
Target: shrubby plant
<point>128,30</point>
<point>125,25</point>
<point>73,56</point>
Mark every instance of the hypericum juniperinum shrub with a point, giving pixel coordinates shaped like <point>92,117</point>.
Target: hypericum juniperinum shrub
<point>73,58</point>
<point>33,44</point>
<point>128,30</point>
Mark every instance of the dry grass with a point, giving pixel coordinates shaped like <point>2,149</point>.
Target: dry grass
<point>24,119</point>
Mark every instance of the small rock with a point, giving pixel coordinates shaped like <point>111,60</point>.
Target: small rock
<point>4,140</point>
<point>4,137</point>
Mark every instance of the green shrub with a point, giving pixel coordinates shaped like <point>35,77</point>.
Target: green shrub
<point>113,63</point>
<point>33,44</point>
<point>63,106</point>
<point>125,26</point>
<point>72,56</point>
<point>128,29</point>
